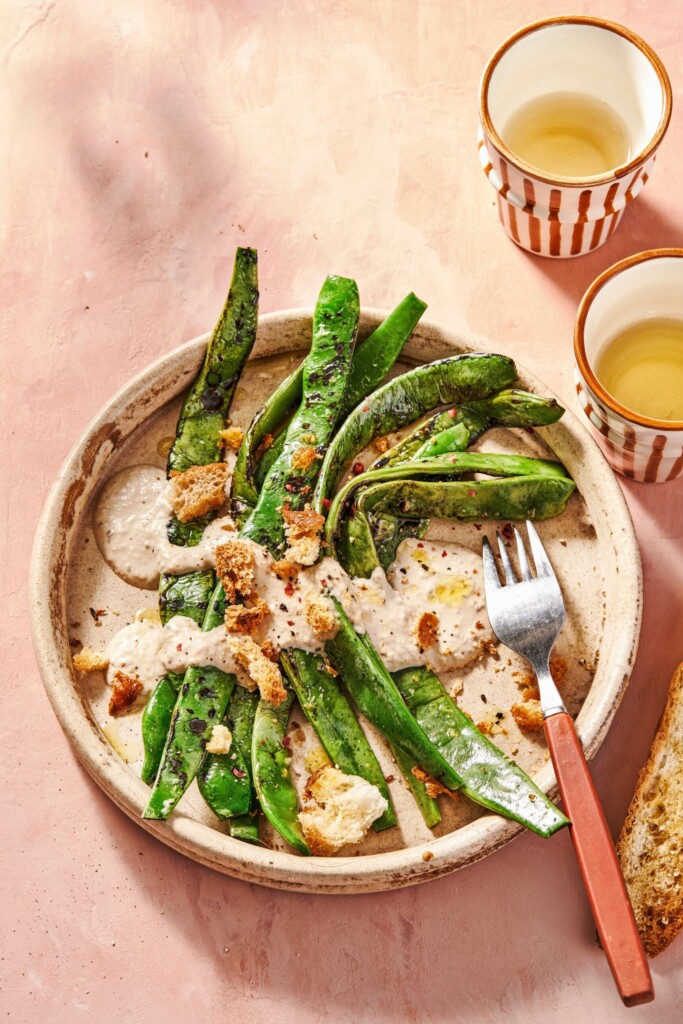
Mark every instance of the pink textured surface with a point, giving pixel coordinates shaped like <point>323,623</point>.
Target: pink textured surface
<point>144,141</point>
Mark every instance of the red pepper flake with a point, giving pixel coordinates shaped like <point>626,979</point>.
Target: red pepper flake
<point>323,582</point>
<point>443,554</point>
<point>477,526</point>
<point>507,531</point>
<point>289,487</point>
<point>472,493</point>
<point>420,544</point>
<point>358,468</point>
<point>286,741</point>
<point>326,504</point>
<point>451,413</point>
<point>289,589</point>
<point>289,623</point>
<point>453,459</point>
<point>179,647</point>
<point>366,408</point>
<point>238,774</point>
<point>390,778</point>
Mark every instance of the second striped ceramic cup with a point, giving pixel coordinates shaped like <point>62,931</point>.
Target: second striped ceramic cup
<point>608,86</point>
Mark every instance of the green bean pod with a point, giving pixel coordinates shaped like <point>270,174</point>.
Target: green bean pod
<point>245,828</point>
<point>427,805</point>
<point>204,410</point>
<point>406,398</point>
<point>326,368</point>
<point>224,780</point>
<point>377,697</point>
<point>335,724</point>
<point>371,361</point>
<point>156,721</point>
<point>270,760</point>
<point>489,777</point>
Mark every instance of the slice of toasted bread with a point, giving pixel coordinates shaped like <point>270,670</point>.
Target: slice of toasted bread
<point>650,847</point>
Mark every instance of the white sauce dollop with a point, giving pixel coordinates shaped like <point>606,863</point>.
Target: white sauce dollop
<point>130,522</point>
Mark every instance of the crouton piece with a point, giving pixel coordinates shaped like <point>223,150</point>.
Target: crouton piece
<point>531,692</point>
<point>305,550</point>
<point>381,444</point>
<point>270,650</point>
<point>304,457</point>
<point>259,668</point>
<point>88,660</point>
<point>286,570</point>
<point>486,725</point>
<point>246,618</point>
<point>321,617</point>
<point>235,569</point>
<point>220,740</point>
<point>432,786</point>
<point>304,523</point>
<point>340,810</point>
<point>426,630</point>
<point>125,693</point>
<point>231,438</point>
<point>198,490</point>
<point>528,715</point>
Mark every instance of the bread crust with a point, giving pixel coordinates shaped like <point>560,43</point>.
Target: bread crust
<point>650,846</point>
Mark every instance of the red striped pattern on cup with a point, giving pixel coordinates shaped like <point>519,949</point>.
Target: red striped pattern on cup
<point>547,214</point>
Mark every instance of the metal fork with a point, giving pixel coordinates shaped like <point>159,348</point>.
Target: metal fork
<point>527,616</point>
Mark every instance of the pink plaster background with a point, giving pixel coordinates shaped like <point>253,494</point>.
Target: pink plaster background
<point>143,141</point>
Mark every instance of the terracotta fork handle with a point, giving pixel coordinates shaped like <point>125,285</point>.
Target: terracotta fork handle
<point>599,865</point>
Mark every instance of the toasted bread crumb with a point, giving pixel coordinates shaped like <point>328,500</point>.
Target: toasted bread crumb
<point>88,660</point>
<point>381,444</point>
<point>125,692</point>
<point>198,490</point>
<point>235,569</point>
<point>486,725</point>
<point>220,740</point>
<point>270,650</point>
<point>432,786</point>
<point>231,437</point>
<point>246,618</point>
<point>302,530</point>
<point>304,457</point>
<point>321,617</point>
<point>286,569</point>
<point>259,668</point>
<point>528,715</point>
<point>426,630</point>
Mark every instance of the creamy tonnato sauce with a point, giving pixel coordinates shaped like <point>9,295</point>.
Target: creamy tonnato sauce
<point>441,578</point>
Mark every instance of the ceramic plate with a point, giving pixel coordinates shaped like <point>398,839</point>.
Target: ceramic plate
<point>592,546</point>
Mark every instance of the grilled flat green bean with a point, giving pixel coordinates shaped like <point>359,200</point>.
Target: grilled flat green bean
<point>270,761</point>
<point>428,806</point>
<point>335,724</point>
<point>371,361</point>
<point>245,828</point>
<point>404,400</point>
<point>201,703</point>
<point>335,323</point>
<point>204,410</point>
<point>375,693</point>
<point>489,778</point>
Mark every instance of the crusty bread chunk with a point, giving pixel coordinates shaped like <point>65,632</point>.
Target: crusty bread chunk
<point>241,618</point>
<point>231,438</point>
<point>302,530</point>
<point>304,457</point>
<point>322,617</point>
<point>260,669</point>
<point>528,715</point>
<point>650,847</point>
<point>235,569</point>
<point>198,490</point>
<point>219,741</point>
<point>339,810</point>
<point>88,660</point>
<point>124,693</point>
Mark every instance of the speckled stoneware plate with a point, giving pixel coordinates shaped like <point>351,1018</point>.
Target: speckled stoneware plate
<point>592,546</point>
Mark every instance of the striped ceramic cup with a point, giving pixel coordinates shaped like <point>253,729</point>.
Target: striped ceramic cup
<point>547,213</point>
<point>649,284</point>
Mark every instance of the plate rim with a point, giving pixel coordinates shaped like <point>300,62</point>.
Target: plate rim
<point>215,849</point>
